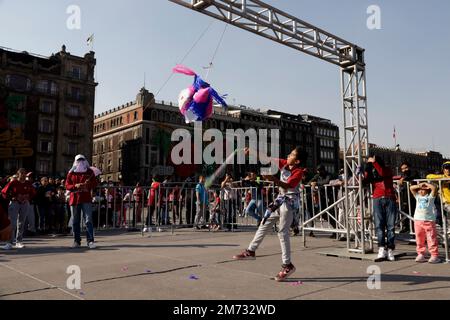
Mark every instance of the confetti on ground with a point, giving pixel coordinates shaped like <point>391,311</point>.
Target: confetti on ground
<point>82,293</point>
<point>416,272</point>
<point>124,269</point>
<point>296,283</point>
<point>193,277</point>
<point>148,270</point>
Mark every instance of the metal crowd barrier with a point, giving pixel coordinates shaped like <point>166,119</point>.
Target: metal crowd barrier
<point>249,203</point>
<point>322,211</point>
<point>124,207</point>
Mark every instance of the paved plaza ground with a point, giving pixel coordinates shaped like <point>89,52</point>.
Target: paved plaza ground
<point>198,265</point>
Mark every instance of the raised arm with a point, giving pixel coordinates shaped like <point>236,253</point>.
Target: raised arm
<point>414,189</point>
<point>433,189</point>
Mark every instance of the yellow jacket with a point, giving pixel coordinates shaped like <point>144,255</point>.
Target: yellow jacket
<point>445,186</point>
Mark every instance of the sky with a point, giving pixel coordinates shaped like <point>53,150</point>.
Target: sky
<point>408,62</point>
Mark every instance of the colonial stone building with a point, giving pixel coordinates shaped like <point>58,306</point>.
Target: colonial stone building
<point>46,110</point>
<point>133,142</point>
<point>423,162</point>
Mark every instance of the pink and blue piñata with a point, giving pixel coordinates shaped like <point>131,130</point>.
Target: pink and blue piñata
<point>196,101</point>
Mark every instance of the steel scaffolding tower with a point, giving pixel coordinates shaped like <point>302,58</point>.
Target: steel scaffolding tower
<point>269,22</point>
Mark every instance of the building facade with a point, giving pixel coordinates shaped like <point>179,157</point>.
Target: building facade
<point>423,162</point>
<point>133,142</point>
<point>46,110</point>
<point>326,143</point>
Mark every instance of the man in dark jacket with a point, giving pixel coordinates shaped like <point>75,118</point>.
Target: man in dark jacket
<point>405,181</point>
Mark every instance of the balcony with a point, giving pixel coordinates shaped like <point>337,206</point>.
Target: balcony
<point>46,91</point>
<point>46,131</point>
<point>76,76</point>
<point>75,97</point>
<point>73,115</point>
<point>76,135</point>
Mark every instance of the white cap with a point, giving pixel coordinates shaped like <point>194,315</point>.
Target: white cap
<point>80,156</point>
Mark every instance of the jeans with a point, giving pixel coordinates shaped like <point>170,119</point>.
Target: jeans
<point>385,212</point>
<point>44,217</point>
<point>285,216</point>
<point>255,209</point>
<point>87,214</point>
<point>17,213</point>
<point>201,215</point>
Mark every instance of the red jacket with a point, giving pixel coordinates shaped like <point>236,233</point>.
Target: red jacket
<point>384,188</point>
<point>83,195</point>
<point>152,197</point>
<point>20,191</point>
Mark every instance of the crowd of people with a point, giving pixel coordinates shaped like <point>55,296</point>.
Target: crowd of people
<point>58,206</point>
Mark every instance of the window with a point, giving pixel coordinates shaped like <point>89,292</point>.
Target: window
<point>18,82</point>
<point>53,88</point>
<point>76,92</point>
<point>47,86</point>
<point>43,166</point>
<point>147,136</point>
<point>76,73</point>
<point>74,111</point>
<point>72,148</point>
<point>46,107</point>
<point>74,128</point>
<point>46,126</point>
<point>42,86</point>
<point>46,146</point>
<point>135,115</point>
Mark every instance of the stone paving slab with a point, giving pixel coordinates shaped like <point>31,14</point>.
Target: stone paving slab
<point>162,266</point>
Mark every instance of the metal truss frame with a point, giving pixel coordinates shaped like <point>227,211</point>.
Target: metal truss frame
<point>267,21</point>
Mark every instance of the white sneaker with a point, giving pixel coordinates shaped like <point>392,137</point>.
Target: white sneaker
<point>7,246</point>
<point>145,229</point>
<point>75,245</point>
<point>421,258</point>
<point>382,253</point>
<point>19,245</point>
<point>434,260</point>
<point>92,245</point>
<point>391,256</point>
